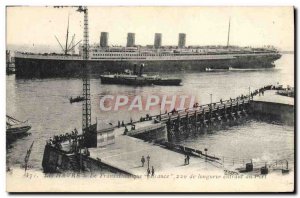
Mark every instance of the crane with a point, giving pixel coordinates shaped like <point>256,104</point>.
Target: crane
<point>86,106</point>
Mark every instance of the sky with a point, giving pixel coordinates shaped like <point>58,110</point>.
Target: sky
<point>250,26</point>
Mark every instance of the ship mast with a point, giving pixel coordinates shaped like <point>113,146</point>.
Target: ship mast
<point>228,34</point>
<point>68,46</point>
<point>67,37</point>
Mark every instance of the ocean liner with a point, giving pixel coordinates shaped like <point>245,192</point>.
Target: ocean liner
<point>157,58</point>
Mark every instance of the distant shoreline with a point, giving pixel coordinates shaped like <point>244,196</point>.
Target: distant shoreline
<point>287,52</point>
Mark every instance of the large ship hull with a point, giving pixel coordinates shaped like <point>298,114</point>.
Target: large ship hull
<point>44,68</point>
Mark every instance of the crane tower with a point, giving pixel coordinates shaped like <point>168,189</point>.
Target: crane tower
<point>86,107</point>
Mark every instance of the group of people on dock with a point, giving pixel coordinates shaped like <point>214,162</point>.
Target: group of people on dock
<point>142,119</point>
<point>262,90</point>
<point>149,172</point>
<point>57,140</point>
<point>152,171</point>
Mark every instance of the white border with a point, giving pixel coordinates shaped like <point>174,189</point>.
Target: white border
<point>4,3</point>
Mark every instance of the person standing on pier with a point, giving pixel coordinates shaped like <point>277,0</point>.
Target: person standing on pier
<point>148,172</point>
<point>148,160</point>
<point>143,161</point>
<point>188,159</point>
<point>152,172</point>
<point>125,131</point>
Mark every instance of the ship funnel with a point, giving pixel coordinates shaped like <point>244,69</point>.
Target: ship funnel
<point>181,40</point>
<point>104,39</point>
<point>130,40</point>
<point>157,40</point>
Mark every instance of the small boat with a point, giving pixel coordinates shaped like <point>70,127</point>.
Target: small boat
<point>285,171</point>
<point>138,79</point>
<point>208,69</point>
<point>77,99</point>
<point>16,128</point>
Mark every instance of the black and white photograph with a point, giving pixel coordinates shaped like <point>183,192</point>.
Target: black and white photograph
<point>150,99</point>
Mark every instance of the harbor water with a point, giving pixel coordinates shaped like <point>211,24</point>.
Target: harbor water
<point>45,104</point>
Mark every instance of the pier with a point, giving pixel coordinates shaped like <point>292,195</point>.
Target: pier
<point>206,116</point>
<point>119,149</point>
<point>147,137</point>
<point>124,156</point>
<point>127,152</point>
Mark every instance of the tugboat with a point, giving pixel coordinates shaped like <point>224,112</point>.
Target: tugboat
<point>77,99</point>
<point>16,128</point>
<point>138,78</point>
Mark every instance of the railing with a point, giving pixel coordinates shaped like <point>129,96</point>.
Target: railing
<point>47,56</point>
<point>204,108</point>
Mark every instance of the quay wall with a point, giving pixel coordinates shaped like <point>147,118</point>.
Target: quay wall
<point>273,111</point>
<point>55,161</point>
<point>44,68</point>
